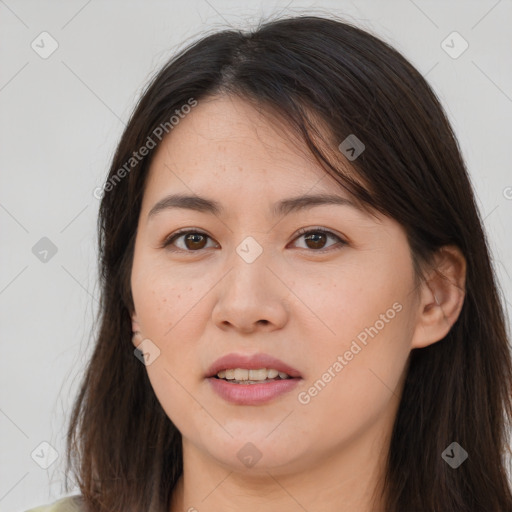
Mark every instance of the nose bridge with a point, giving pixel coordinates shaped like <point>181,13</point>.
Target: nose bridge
<point>249,262</point>
<point>250,294</point>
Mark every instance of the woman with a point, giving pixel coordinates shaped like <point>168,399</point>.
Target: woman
<point>298,309</point>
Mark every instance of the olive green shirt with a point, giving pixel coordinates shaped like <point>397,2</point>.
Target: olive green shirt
<point>69,504</point>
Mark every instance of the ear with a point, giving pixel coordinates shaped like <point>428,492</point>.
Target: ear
<point>441,297</point>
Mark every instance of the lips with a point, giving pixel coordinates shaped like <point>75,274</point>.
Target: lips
<point>250,362</point>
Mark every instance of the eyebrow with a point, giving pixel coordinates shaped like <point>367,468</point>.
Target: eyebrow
<point>281,208</point>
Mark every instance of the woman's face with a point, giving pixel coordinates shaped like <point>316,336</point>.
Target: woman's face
<point>339,308</point>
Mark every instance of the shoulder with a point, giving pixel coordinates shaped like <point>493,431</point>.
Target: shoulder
<point>68,504</point>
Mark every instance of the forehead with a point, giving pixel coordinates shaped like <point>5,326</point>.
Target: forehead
<point>227,145</point>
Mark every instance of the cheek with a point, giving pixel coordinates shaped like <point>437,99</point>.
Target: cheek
<point>351,300</point>
<point>169,311</point>
<point>166,298</point>
<point>356,385</point>
<point>360,359</point>
<point>170,385</point>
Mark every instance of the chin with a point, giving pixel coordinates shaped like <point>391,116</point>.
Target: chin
<point>244,454</point>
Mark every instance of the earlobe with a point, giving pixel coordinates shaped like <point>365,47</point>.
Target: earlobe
<point>135,324</point>
<point>135,329</point>
<point>441,298</point>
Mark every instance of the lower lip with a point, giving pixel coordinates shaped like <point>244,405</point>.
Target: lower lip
<point>252,394</point>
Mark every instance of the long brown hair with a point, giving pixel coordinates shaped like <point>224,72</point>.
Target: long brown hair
<point>124,451</point>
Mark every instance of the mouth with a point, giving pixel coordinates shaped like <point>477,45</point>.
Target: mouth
<point>247,368</point>
<point>251,379</point>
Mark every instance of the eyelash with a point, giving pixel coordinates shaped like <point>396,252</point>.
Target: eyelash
<point>304,231</point>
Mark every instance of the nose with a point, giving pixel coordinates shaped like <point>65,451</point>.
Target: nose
<point>250,297</point>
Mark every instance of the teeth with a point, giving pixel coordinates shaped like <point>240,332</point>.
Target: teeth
<point>261,374</point>
<point>242,374</point>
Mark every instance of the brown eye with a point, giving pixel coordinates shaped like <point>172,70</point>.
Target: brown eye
<point>316,239</point>
<point>192,241</point>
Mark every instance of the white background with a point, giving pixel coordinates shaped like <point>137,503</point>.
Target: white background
<point>61,118</point>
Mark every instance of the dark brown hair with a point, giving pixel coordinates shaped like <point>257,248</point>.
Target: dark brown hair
<point>125,452</point>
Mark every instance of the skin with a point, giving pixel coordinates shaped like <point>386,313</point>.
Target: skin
<point>301,302</point>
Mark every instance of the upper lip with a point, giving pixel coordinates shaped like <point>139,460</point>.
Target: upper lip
<point>250,362</point>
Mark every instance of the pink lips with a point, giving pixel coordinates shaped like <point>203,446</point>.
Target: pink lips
<point>251,394</point>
